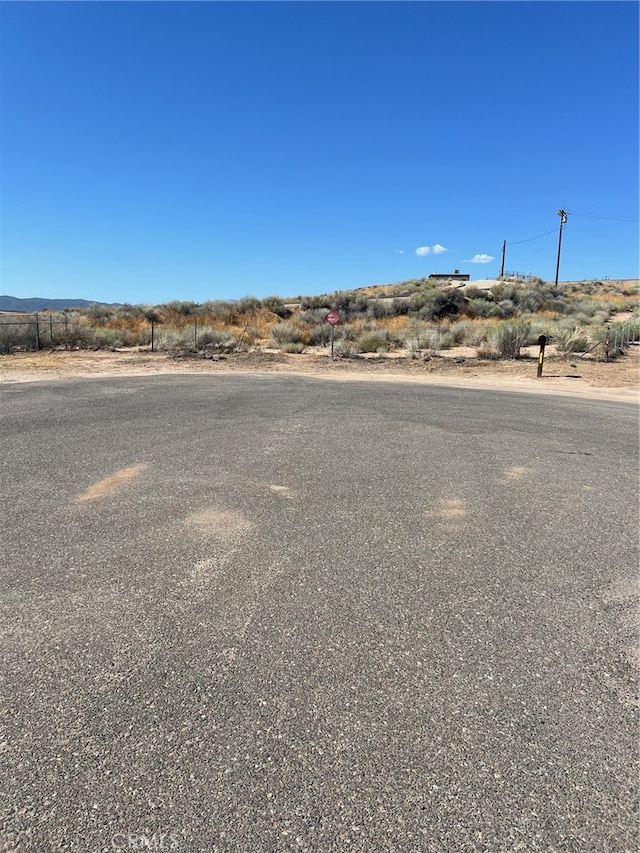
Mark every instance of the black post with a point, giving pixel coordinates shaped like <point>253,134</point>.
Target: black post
<point>195,333</point>
<point>542,342</point>
<point>66,330</point>
<point>37,333</point>
<point>504,252</point>
<point>152,339</point>
<point>51,330</point>
<point>333,332</point>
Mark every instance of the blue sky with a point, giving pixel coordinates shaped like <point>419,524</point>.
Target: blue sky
<point>159,151</point>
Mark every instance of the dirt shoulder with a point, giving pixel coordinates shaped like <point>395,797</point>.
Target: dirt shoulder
<point>616,380</point>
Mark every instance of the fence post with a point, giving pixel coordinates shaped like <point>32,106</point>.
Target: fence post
<point>66,330</point>
<point>37,333</point>
<point>152,327</point>
<point>51,331</point>
<point>195,333</point>
<point>606,345</point>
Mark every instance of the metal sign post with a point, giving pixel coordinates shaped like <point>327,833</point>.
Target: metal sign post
<point>333,318</point>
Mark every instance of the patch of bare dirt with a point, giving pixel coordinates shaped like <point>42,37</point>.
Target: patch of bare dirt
<point>615,380</point>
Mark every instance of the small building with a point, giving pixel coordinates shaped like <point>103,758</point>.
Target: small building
<point>456,275</point>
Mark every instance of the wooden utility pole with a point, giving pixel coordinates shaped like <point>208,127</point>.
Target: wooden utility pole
<point>562,213</point>
<point>504,252</point>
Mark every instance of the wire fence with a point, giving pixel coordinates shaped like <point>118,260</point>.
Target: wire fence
<point>616,340</point>
<point>69,332</point>
<point>76,332</point>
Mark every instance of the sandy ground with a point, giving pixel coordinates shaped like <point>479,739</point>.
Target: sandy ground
<point>574,376</point>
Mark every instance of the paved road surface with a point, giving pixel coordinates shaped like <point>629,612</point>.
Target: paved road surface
<point>268,613</point>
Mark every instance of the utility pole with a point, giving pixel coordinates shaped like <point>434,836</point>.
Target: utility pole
<point>504,251</point>
<point>563,214</point>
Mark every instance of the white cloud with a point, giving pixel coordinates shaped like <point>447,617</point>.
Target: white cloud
<point>480,259</point>
<point>431,250</point>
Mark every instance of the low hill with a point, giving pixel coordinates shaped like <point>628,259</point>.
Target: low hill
<point>26,306</point>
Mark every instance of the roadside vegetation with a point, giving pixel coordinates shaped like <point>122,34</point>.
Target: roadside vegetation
<point>418,318</point>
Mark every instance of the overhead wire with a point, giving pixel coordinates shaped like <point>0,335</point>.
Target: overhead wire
<point>602,216</point>
<point>546,234</point>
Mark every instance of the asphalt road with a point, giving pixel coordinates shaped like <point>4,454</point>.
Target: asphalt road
<point>268,613</point>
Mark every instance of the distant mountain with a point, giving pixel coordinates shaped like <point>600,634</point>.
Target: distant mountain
<point>14,303</point>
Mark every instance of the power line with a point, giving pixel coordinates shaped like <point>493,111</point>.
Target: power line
<point>602,216</point>
<point>546,234</point>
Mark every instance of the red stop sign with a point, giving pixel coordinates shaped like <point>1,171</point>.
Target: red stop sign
<point>333,318</point>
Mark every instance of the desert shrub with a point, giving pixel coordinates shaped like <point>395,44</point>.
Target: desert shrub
<point>437,304</point>
<point>314,316</point>
<point>107,338</point>
<point>349,305</point>
<point>345,348</point>
<point>459,330</point>
<point>627,304</point>
<point>473,292</point>
<point>590,307</point>
<point>99,314</point>
<point>571,340</point>
<point>580,319</point>
<point>374,341</point>
<point>314,303</point>
<point>437,339</point>
<point>503,290</point>
<point>433,339</point>
<point>350,332</point>
<point>485,308</point>
<point>507,307</point>
<point>248,305</point>
<point>292,347</point>
<point>170,338</point>
<point>218,309</point>
<point>215,338</point>
<point>478,334</point>
<point>538,327</point>
<point>248,336</point>
<point>286,333</point>
<point>320,334</point>
<point>185,309</point>
<point>276,305</point>
<point>415,339</point>
<point>78,334</point>
<point>14,337</point>
<point>529,299</point>
<point>509,337</point>
<point>400,307</point>
<point>558,304</point>
<point>378,309</point>
<point>132,312</point>
<point>136,337</point>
